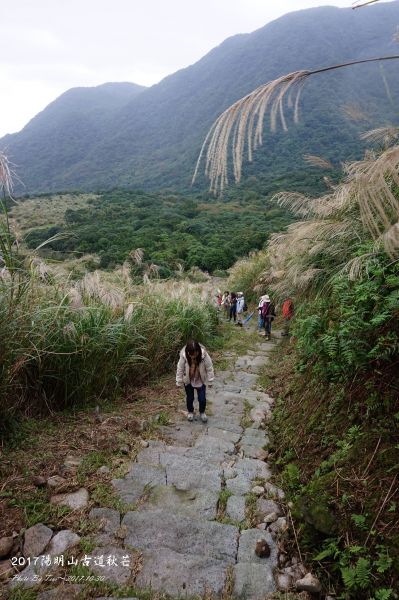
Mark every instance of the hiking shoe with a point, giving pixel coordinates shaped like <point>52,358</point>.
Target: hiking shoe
<point>190,417</point>
<point>204,418</point>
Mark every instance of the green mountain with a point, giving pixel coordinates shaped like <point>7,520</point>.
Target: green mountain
<point>150,138</point>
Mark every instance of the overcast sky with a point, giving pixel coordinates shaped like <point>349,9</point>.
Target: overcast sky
<point>50,46</point>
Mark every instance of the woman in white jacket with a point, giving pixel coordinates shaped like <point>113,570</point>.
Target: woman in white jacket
<point>195,371</point>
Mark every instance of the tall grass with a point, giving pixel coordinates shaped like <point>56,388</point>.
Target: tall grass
<point>64,345</point>
<point>54,356</point>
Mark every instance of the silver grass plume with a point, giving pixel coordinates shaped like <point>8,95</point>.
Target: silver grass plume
<point>137,256</point>
<point>318,161</point>
<point>383,135</point>
<point>241,125</point>
<point>6,175</point>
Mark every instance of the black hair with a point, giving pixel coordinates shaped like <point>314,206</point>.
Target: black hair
<point>191,347</point>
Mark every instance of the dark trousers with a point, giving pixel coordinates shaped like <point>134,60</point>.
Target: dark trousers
<point>268,326</point>
<point>190,397</point>
<point>233,312</point>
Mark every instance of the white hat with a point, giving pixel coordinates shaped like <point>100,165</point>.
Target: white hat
<point>265,298</point>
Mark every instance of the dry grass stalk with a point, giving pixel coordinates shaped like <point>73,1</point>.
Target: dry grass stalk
<point>242,123</point>
<point>361,3</point>
<point>137,256</point>
<point>383,135</point>
<point>6,175</point>
<point>318,161</point>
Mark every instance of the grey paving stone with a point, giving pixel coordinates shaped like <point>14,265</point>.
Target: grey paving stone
<point>252,581</point>
<point>191,473</point>
<point>252,468</point>
<point>139,478</point>
<point>235,508</point>
<point>115,573</point>
<point>246,379</point>
<point>215,443</point>
<point>252,436</point>
<point>239,485</point>
<point>223,434</point>
<point>148,474</point>
<point>229,423</point>
<point>246,548</point>
<point>193,503</point>
<point>254,451</point>
<point>181,575</point>
<point>149,456</point>
<point>151,530</point>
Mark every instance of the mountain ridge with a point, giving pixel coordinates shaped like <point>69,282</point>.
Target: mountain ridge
<point>152,140</point>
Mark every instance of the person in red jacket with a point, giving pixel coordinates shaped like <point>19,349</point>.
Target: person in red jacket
<point>287,312</point>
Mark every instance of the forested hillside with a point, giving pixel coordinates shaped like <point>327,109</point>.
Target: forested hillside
<point>150,138</point>
<point>174,231</point>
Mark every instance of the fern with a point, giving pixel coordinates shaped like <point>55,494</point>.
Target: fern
<point>363,573</point>
<point>383,562</point>
<point>349,577</point>
<point>383,594</point>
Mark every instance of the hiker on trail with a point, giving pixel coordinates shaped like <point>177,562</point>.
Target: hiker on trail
<point>218,300</point>
<point>268,314</point>
<point>233,307</point>
<point>195,372</point>
<point>261,322</point>
<point>287,312</point>
<point>240,307</point>
<point>226,303</point>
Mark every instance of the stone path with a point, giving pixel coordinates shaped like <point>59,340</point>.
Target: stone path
<point>182,487</point>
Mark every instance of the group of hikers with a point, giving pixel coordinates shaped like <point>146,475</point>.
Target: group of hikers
<point>234,306</point>
<point>195,368</point>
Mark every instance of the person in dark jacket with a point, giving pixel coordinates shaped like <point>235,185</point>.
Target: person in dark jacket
<point>268,315</point>
<point>233,306</point>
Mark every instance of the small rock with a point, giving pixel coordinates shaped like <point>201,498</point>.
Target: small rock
<point>274,491</point>
<point>261,454</point>
<point>76,500</point>
<point>55,481</point>
<point>177,428</point>
<point>309,583</point>
<point>258,490</point>
<point>39,480</point>
<point>144,443</point>
<point>262,548</point>
<point>279,526</point>
<point>36,539</point>
<point>6,544</point>
<point>103,470</point>
<point>284,582</point>
<point>261,526</point>
<point>6,570</point>
<point>124,449</point>
<point>62,541</point>
<point>271,518</point>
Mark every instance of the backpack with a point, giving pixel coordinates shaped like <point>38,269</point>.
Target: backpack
<point>245,307</point>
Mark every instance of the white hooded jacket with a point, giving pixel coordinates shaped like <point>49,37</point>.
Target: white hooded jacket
<point>205,368</point>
